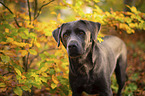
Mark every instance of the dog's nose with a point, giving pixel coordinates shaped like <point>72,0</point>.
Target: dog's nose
<point>72,46</point>
<point>73,49</point>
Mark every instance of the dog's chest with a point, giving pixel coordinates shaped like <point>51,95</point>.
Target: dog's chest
<point>88,84</point>
<point>91,87</point>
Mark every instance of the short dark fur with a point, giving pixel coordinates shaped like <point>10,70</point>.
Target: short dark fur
<point>91,63</point>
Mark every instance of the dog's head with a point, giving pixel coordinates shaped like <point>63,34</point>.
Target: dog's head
<point>77,36</point>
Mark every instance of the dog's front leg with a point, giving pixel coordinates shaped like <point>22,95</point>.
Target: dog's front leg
<point>76,94</point>
<point>76,91</point>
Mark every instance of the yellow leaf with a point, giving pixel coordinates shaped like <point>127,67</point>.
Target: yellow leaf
<point>10,40</point>
<point>60,67</point>
<point>37,44</point>
<point>54,13</point>
<point>18,71</point>
<point>31,0</point>
<point>23,52</point>
<point>3,43</point>
<point>7,77</point>
<point>19,44</point>
<point>124,26</point>
<point>47,89</point>
<point>54,79</point>
<point>100,40</point>
<point>107,13</point>
<point>5,58</point>
<point>7,30</point>
<point>132,25</point>
<point>26,88</point>
<point>30,26</point>
<point>129,13</point>
<point>3,89</point>
<point>98,10</point>
<point>44,75</point>
<point>9,53</point>
<point>20,23</point>
<point>18,91</point>
<point>132,31</point>
<point>53,85</point>
<point>32,51</point>
<point>2,85</point>
<point>43,69</point>
<point>30,45</point>
<point>23,77</point>
<point>133,9</point>
<point>58,16</point>
<point>129,31</point>
<point>65,76</point>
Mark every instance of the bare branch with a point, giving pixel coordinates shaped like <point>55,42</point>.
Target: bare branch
<point>29,10</point>
<point>16,22</point>
<point>6,7</point>
<point>41,9</point>
<point>25,65</point>
<point>28,59</point>
<point>35,7</point>
<point>11,13</point>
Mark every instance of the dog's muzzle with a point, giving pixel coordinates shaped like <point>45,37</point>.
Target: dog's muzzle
<point>74,49</point>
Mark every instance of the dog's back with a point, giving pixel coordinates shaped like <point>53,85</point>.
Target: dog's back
<point>116,44</point>
<point>118,47</point>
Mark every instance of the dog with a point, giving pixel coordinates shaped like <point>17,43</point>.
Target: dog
<point>91,63</point>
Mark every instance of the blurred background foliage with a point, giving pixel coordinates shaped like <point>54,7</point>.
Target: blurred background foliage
<point>31,63</point>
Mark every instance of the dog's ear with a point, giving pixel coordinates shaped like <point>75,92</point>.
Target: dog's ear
<point>94,28</point>
<point>57,34</point>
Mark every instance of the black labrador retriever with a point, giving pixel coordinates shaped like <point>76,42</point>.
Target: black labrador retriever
<point>91,63</point>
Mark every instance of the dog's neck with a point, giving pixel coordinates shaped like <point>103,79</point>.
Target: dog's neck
<point>82,65</point>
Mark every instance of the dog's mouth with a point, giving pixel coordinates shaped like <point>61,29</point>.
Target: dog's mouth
<point>74,51</point>
<point>74,54</point>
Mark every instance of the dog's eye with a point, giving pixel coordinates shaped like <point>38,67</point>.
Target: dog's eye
<point>65,35</point>
<point>81,32</point>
